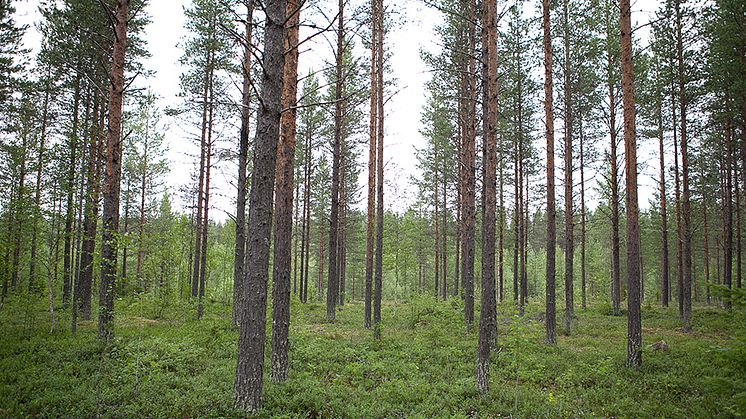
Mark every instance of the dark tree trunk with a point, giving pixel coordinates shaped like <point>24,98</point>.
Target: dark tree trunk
<point>85,282</point>
<point>569,226</point>
<point>206,106</point>
<point>728,212</point>
<point>205,211</point>
<point>141,224</point>
<point>677,196</point>
<point>616,291</point>
<point>124,232</point>
<point>665,276</point>
<point>284,200</point>
<point>373,137</point>
<point>243,158</point>
<point>469,165</point>
<point>444,229</point>
<point>332,294</point>
<point>112,175</point>
<point>305,247</point>
<point>686,249</point>
<point>737,212</point>
<point>551,335</point>
<point>705,237</point>
<point>250,365</point>
<point>37,194</point>
<point>341,245</point>
<point>521,227</point>
<point>76,269</point>
<point>436,220</point>
<point>501,226</point>
<point>634,325</point>
<point>487,333</point>
<point>19,215</point>
<point>379,173</point>
<point>67,255</point>
<point>582,218</point>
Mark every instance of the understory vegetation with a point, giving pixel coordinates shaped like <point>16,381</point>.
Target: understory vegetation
<point>166,363</point>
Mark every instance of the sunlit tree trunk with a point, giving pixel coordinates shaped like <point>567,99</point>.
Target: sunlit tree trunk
<point>112,174</point>
<point>285,170</point>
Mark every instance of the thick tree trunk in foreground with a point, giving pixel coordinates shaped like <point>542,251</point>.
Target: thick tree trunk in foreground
<point>634,325</point>
<point>487,332</point>
<point>250,363</point>
<point>284,201</point>
<point>551,334</point>
<point>112,176</point>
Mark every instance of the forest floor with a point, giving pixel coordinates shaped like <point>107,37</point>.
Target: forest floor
<point>165,363</point>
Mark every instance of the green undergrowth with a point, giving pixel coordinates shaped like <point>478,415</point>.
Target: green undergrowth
<point>166,363</point>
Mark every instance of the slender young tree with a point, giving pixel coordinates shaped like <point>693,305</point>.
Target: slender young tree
<point>332,294</point>
<point>41,148</point>
<point>243,158</point>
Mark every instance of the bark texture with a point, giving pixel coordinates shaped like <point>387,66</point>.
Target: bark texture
<point>250,363</point>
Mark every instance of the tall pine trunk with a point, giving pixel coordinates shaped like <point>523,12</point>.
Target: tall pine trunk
<point>332,275</point>
<point>469,165</point>
<point>373,138</point>
<point>67,258</point>
<point>551,334</point>
<point>569,226</point>
<point>250,361</point>
<point>243,158</point>
<point>487,333</point>
<point>634,325</point>
<point>665,276</point>
<point>37,194</point>
<point>379,174</point>
<point>112,174</point>
<point>284,200</point>
<point>686,248</point>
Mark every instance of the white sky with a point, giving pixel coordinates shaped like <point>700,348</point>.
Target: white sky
<point>402,111</point>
